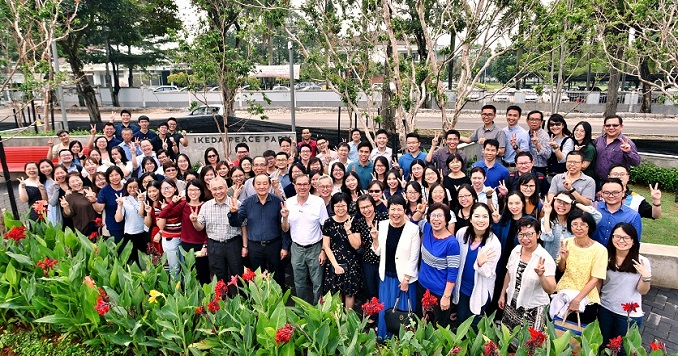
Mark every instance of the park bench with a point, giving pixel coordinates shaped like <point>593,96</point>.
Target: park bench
<point>18,156</point>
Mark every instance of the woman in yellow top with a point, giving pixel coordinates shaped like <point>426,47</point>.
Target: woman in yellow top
<point>583,262</point>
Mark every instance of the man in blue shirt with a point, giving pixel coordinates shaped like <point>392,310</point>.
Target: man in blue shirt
<point>517,137</point>
<point>413,142</point>
<point>494,171</point>
<point>126,118</point>
<point>363,167</point>
<point>268,246</point>
<point>614,211</point>
<point>353,145</point>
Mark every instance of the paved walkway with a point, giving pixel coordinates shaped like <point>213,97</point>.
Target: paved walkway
<point>660,304</point>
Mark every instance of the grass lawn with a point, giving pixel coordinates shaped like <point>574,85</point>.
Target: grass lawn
<point>664,230</point>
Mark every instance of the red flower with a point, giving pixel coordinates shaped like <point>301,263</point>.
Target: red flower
<point>219,289</point>
<point>93,235</point>
<point>657,345</point>
<point>103,295</point>
<point>372,307</point>
<point>630,307</point>
<point>248,275</point>
<point>89,282</point>
<point>17,233</point>
<point>490,349</point>
<point>284,334</point>
<point>456,350</point>
<point>98,222</point>
<point>537,339</point>
<point>199,310</point>
<point>428,301</point>
<point>46,265</point>
<point>102,307</point>
<point>615,344</point>
<point>213,306</point>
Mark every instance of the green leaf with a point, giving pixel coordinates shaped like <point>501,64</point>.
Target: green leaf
<point>54,319</point>
<point>10,274</point>
<point>23,259</point>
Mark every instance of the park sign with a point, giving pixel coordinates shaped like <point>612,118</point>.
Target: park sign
<point>274,71</point>
<point>258,142</point>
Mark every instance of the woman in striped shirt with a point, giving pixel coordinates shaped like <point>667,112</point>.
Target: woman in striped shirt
<point>170,228</point>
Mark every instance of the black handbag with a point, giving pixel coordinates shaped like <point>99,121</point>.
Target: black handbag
<point>395,318</point>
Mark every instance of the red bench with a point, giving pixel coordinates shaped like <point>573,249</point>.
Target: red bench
<point>17,157</point>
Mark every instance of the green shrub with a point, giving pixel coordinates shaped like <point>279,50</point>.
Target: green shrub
<point>650,174</point>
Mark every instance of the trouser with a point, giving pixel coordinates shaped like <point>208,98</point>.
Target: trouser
<point>464,311</point>
<point>171,248</point>
<point>440,317</point>
<point>202,267</point>
<point>266,255</point>
<point>305,264</point>
<point>613,325</point>
<point>225,260</point>
<point>371,280</point>
<point>138,245</point>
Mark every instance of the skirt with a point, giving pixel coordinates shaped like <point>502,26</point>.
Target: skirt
<point>389,290</point>
<point>534,317</point>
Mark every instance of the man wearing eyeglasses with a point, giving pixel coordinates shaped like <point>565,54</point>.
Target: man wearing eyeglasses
<point>614,211</point>
<point>574,181</point>
<point>487,131</point>
<point>241,150</point>
<point>614,148</point>
<point>259,164</point>
<point>636,201</point>
<point>304,219</point>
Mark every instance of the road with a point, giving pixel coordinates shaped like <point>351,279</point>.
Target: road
<point>426,120</point>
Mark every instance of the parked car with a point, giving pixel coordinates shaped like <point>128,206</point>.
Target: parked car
<point>502,96</point>
<point>303,85</point>
<point>166,89</point>
<point>530,96</point>
<point>311,87</point>
<point>204,112</point>
<point>280,88</point>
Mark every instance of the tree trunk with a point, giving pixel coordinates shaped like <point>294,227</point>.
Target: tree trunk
<point>386,109</point>
<point>130,74</point>
<point>612,92</point>
<point>116,85</point>
<point>646,106</point>
<point>82,85</point>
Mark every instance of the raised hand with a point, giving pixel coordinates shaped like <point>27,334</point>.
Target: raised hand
<point>535,138</point>
<point>275,180</point>
<point>92,129</point>
<point>148,209</point>
<point>567,184</point>
<point>119,199</point>
<point>183,133</point>
<point>234,203</point>
<point>485,255</point>
<point>421,208</point>
<point>656,194</point>
<point>347,224</point>
<point>626,145</point>
<point>641,268</point>
<point>374,233</point>
<point>489,191</point>
<point>547,208</point>
<point>564,252</point>
<point>90,195</point>
<point>436,140</point>
<point>553,142</point>
<point>50,142</point>
<point>194,214</point>
<point>540,267</point>
<point>22,182</point>
<point>63,202</point>
<point>394,163</point>
<point>176,199</point>
<point>237,189</point>
<point>514,140</point>
<point>501,188</point>
<point>112,118</point>
<point>284,212</point>
<point>403,184</point>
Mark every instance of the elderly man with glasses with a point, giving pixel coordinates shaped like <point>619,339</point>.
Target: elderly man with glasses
<point>574,181</point>
<point>614,148</point>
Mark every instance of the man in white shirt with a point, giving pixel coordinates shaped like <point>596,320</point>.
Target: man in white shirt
<point>303,215</point>
<point>381,139</point>
<point>342,156</point>
<point>147,151</point>
<point>325,154</point>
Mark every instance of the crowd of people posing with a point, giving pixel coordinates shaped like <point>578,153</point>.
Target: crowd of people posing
<point>543,218</point>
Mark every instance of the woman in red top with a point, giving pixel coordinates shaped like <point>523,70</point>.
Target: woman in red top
<point>150,209</point>
<point>191,239</point>
<point>170,227</point>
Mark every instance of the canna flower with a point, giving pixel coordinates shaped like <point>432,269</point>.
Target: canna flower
<point>46,265</point>
<point>98,222</point>
<point>428,301</point>
<point>537,339</point>
<point>615,344</point>
<point>213,306</point>
<point>233,282</point>
<point>17,233</point>
<point>102,307</point>
<point>219,289</point>
<point>657,345</point>
<point>40,207</point>
<point>89,282</point>
<point>103,295</point>
<point>93,236</point>
<point>456,350</point>
<point>200,310</point>
<point>372,307</point>
<point>490,349</point>
<point>284,334</point>
<point>630,307</point>
<point>154,294</point>
<point>248,275</point>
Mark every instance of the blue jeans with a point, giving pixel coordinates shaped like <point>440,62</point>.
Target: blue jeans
<point>613,325</point>
<point>171,249</point>
<point>464,311</point>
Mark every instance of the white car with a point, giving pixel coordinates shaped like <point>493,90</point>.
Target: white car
<point>280,88</point>
<point>501,96</point>
<point>205,112</point>
<point>530,96</point>
<point>166,89</point>
<point>311,87</point>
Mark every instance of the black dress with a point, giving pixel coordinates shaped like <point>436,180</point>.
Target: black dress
<point>452,185</point>
<point>348,283</point>
<point>34,195</point>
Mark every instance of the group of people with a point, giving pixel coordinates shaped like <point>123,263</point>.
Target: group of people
<point>543,217</point>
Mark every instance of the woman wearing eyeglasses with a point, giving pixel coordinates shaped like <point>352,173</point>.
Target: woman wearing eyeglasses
<point>561,143</point>
<point>530,278</point>
<point>583,262</point>
<point>629,276</point>
<point>554,223</point>
<point>439,260</point>
<point>362,224</point>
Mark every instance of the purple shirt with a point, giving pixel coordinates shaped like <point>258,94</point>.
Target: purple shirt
<point>610,155</point>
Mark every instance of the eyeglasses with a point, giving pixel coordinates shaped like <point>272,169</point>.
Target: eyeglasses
<point>582,225</point>
<point>556,124</point>
<point>365,207</point>
<point>618,175</point>
<point>302,184</point>
<point>167,188</point>
<point>170,170</point>
<point>531,186</point>
<point>525,235</point>
<point>534,119</point>
<point>437,216</point>
<point>613,193</point>
<point>325,186</point>
<point>412,192</point>
<point>607,126</point>
<point>241,152</point>
<point>523,163</point>
<point>622,237</point>
<point>374,191</point>
<point>487,115</point>
<point>464,196</point>
<point>572,162</point>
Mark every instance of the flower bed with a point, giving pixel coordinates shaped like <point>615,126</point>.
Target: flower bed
<point>64,283</point>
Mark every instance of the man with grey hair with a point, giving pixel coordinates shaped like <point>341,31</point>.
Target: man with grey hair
<point>226,244</point>
<point>259,165</point>
<point>304,217</point>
